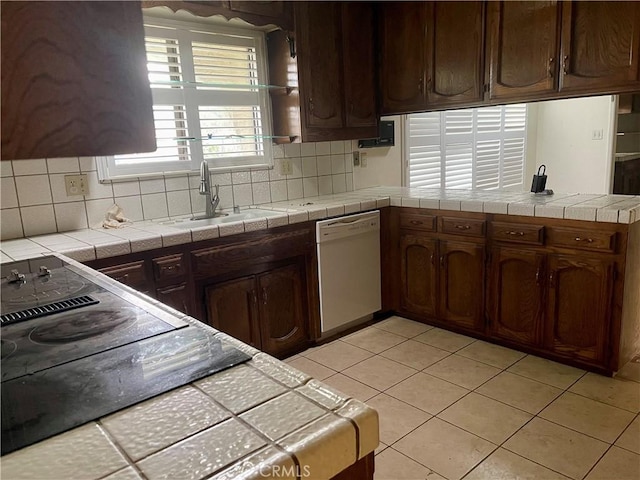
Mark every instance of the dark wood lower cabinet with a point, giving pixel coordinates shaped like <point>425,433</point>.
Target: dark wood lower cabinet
<point>176,296</point>
<point>264,310</point>
<point>579,306</point>
<point>516,295</point>
<point>461,283</point>
<point>563,289</point>
<point>232,307</point>
<point>282,307</point>
<point>418,274</point>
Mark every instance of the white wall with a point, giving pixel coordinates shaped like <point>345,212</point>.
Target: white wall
<point>384,164</point>
<point>575,162</point>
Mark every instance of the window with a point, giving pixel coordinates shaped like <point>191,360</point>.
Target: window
<point>479,148</point>
<point>209,100</point>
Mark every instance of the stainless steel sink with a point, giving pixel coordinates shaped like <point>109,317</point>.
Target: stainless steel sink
<point>230,216</point>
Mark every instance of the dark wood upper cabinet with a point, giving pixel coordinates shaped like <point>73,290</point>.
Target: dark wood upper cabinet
<point>516,295</point>
<point>461,284</point>
<point>359,65</point>
<point>455,53</point>
<point>600,46</point>
<point>320,63</point>
<point>334,65</point>
<point>282,320</point>
<point>74,80</point>
<point>403,52</point>
<point>578,309</point>
<point>522,48</point>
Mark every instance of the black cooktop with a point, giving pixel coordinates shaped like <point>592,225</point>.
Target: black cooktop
<point>64,369</point>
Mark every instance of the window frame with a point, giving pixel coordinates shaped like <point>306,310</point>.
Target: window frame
<point>189,31</point>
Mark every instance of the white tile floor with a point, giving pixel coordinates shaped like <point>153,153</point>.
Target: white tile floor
<point>454,407</point>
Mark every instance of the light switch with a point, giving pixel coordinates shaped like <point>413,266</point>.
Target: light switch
<point>597,134</point>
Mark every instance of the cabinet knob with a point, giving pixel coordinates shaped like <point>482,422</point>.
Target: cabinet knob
<point>538,276</point>
<point>265,295</point>
<point>565,65</point>
<point>442,260</point>
<point>550,67</point>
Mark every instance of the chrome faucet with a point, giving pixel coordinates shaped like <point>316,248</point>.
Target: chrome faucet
<point>212,201</point>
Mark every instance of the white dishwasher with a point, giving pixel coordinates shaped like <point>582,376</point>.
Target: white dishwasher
<point>349,269</point>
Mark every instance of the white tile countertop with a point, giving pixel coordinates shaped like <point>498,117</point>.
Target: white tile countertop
<point>86,245</point>
<point>259,419</point>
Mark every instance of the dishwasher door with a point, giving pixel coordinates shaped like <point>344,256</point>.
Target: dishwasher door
<point>348,269</point>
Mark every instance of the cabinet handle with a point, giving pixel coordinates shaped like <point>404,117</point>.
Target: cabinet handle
<point>442,260</point>
<point>552,280</point>
<point>415,222</point>
<point>254,295</point>
<point>169,267</point>
<point>122,279</point>
<point>463,227</point>
<point>514,233</point>
<point>580,239</point>
<point>432,259</point>
<point>565,65</point>
<point>538,276</point>
<point>420,85</point>
<point>550,67</point>
<point>310,104</point>
<point>429,84</point>
<point>265,296</point>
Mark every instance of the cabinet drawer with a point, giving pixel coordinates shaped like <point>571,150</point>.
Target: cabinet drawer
<point>170,267</point>
<point>470,227</point>
<point>132,274</point>
<point>415,221</point>
<point>517,233</point>
<point>582,239</point>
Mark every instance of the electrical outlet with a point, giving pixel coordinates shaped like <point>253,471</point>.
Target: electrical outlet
<point>76,185</point>
<point>285,167</point>
<point>597,134</point>
<point>363,159</point>
<point>356,159</point>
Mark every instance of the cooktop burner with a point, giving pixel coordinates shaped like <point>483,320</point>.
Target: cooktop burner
<point>77,327</point>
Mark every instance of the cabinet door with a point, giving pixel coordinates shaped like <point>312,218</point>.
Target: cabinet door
<point>455,50</point>
<point>516,295</point>
<point>418,277</point>
<point>320,63</point>
<point>522,49</point>
<point>578,310</point>
<point>359,64</point>
<point>403,56</point>
<point>283,323</point>
<point>461,284</point>
<point>176,296</point>
<point>600,43</point>
<point>232,307</point>
<point>74,80</point>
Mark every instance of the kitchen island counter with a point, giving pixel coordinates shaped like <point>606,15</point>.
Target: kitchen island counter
<point>259,419</point>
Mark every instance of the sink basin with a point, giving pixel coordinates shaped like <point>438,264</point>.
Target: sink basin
<point>230,216</point>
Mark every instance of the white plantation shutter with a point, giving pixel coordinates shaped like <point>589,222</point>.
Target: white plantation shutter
<point>481,148</point>
<point>209,100</point>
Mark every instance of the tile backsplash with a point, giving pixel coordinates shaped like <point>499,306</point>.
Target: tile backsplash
<point>34,199</point>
